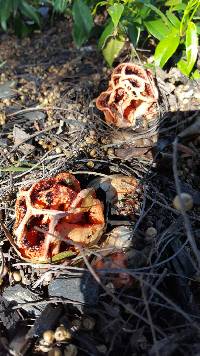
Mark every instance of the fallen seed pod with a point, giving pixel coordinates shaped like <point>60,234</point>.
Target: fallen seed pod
<point>48,336</point>
<point>62,334</point>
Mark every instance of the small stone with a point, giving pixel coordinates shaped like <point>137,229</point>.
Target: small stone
<point>70,350</point>
<point>62,334</point>
<point>151,232</point>
<point>58,150</point>
<point>88,323</point>
<point>187,201</point>
<point>93,153</point>
<point>89,140</point>
<point>48,336</point>
<point>17,276</point>
<point>110,152</point>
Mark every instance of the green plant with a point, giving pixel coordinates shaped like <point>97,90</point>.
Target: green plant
<point>174,23</point>
<point>18,11</point>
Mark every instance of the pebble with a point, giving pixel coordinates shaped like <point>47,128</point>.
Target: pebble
<point>93,153</point>
<point>48,336</point>
<point>58,150</point>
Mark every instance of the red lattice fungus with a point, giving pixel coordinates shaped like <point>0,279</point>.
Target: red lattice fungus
<point>131,95</point>
<point>55,213</point>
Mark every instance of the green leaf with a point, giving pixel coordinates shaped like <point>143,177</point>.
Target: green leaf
<point>108,31</point>
<point>5,12</point>
<point>166,48</point>
<point>134,33</point>
<point>157,28</point>
<point>29,11</point>
<point>173,19</point>
<point>196,75</point>
<point>112,49</point>
<point>115,11</point>
<point>183,67</point>
<point>191,45</point>
<point>173,2</point>
<point>160,13</point>
<point>83,22</point>
<point>59,5</point>
<point>62,255</point>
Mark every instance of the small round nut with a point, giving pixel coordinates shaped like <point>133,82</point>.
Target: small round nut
<point>62,334</point>
<point>151,232</point>
<point>17,276</point>
<point>70,350</point>
<point>88,323</point>
<point>187,201</point>
<point>93,153</point>
<point>90,164</point>
<point>48,336</point>
<point>55,352</point>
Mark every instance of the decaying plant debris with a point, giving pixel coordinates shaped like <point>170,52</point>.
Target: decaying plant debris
<point>135,289</point>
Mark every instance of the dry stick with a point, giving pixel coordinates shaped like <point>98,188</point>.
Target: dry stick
<point>49,301</point>
<point>146,303</point>
<point>185,217</point>
<point>23,111</point>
